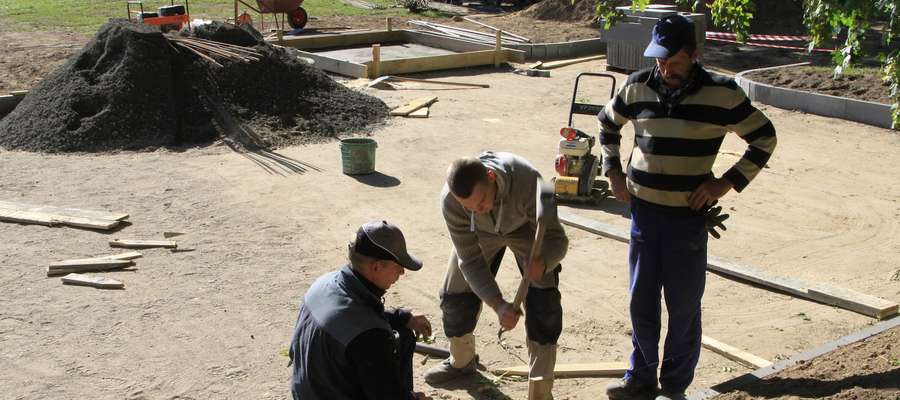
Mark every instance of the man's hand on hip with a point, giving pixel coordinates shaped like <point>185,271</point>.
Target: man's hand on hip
<point>420,325</point>
<point>507,315</point>
<point>617,184</point>
<point>708,192</point>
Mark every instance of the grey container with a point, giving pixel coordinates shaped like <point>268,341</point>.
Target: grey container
<point>626,41</point>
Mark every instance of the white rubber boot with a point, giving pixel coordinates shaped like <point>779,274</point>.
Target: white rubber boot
<point>462,361</point>
<point>542,362</point>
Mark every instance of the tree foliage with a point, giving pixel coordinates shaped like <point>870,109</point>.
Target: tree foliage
<point>847,21</point>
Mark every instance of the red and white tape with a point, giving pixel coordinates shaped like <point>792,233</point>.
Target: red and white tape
<point>764,38</point>
<point>774,46</point>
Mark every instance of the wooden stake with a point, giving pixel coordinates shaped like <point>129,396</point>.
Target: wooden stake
<point>537,389</point>
<point>389,24</point>
<point>376,61</point>
<point>142,244</point>
<point>497,52</point>
<point>93,281</point>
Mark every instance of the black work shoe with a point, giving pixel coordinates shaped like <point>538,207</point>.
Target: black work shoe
<point>630,390</point>
<point>667,395</point>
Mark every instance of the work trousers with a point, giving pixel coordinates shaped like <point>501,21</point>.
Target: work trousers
<point>406,346</point>
<point>667,254</point>
<point>461,307</point>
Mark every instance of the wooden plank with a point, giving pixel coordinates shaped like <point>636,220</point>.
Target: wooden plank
<point>71,212</point>
<point>92,281</point>
<point>539,389</point>
<point>751,274</point>
<point>131,255</point>
<point>414,105</point>
<point>65,267</point>
<point>595,227</point>
<point>447,61</point>
<point>142,244</point>
<point>735,354</point>
<point>441,42</point>
<point>342,67</point>
<point>844,298</point>
<point>420,113</point>
<point>342,39</point>
<point>27,217</point>
<point>859,302</point>
<point>563,63</point>
<point>583,370</point>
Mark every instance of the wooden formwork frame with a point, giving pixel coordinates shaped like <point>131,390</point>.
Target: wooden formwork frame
<point>467,54</point>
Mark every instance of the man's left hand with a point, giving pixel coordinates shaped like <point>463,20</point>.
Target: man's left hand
<point>537,269</point>
<point>708,192</point>
<point>420,325</point>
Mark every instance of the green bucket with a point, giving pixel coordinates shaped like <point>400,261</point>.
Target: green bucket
<point>358,155</point>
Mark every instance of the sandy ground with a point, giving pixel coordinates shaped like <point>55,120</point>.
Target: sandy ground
<point>215,323</point>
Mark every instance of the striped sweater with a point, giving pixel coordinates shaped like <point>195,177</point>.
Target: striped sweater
<point>677,136</point>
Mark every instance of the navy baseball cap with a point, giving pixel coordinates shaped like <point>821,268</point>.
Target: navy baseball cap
<point>670,34</point>
<point>382,240</point>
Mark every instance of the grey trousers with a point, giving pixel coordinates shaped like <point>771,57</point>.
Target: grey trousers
<point>461,307</point>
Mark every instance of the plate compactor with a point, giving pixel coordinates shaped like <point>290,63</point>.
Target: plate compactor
<point>576,165</point>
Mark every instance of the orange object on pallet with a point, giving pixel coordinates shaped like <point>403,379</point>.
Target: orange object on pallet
<point>176,21</point>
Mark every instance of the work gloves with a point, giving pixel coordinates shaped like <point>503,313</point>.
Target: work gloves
<point>715,219</point>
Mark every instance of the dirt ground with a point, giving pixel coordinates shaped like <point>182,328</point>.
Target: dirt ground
<point>831,377</point>
<point>215,322</point>
<point>861,87</point>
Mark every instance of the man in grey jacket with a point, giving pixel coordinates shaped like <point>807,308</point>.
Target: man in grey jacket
<point>488,204</point>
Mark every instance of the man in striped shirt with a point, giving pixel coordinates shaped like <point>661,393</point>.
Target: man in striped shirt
<point>681,114</point>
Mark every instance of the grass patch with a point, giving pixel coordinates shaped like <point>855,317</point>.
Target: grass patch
<point>87,15</point>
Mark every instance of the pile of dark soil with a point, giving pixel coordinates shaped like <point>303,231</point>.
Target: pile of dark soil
<point>562,10</point>
<point>855,85</point>
<point>865,370</point>
<point>131,89</point>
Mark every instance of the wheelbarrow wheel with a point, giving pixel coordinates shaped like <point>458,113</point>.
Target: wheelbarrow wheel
<point>298,18</point>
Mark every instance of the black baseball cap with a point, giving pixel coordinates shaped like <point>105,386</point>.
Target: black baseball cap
<point>670,34</point>
<point>383,241</point>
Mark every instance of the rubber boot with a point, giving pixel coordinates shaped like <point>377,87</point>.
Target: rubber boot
<point>542,362</point>
<point>462,361</point>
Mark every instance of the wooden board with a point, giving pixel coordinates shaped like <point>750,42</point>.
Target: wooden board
<point>131,255</point>
<point>65,267</point>
<point>735,354</point>
<point>595,227</point>
<point>563,63</point>
<point>28,217</point>
<point>142,244</point>
<point>859,302</point>
<point>447,61</point>
<point>92,281</point>
<point>342,67</point>
<point>71,212</point>
<point>583,370</point>
<point>846,299</point>
<point>420,113</point>
<point>414,105</point>
<point>325,41</point>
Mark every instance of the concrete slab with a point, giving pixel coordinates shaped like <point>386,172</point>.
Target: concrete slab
<point>389,51</point>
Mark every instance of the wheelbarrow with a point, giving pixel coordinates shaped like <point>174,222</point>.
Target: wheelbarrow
<point>295,15</point>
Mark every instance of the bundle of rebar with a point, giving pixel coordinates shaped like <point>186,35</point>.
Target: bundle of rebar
<point>213,51</point>
<point>470,35</point>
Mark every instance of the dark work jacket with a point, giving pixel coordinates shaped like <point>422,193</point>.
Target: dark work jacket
<point>343,342</point>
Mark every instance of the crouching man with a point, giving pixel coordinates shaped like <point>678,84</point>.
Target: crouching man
<point>346,346</point>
